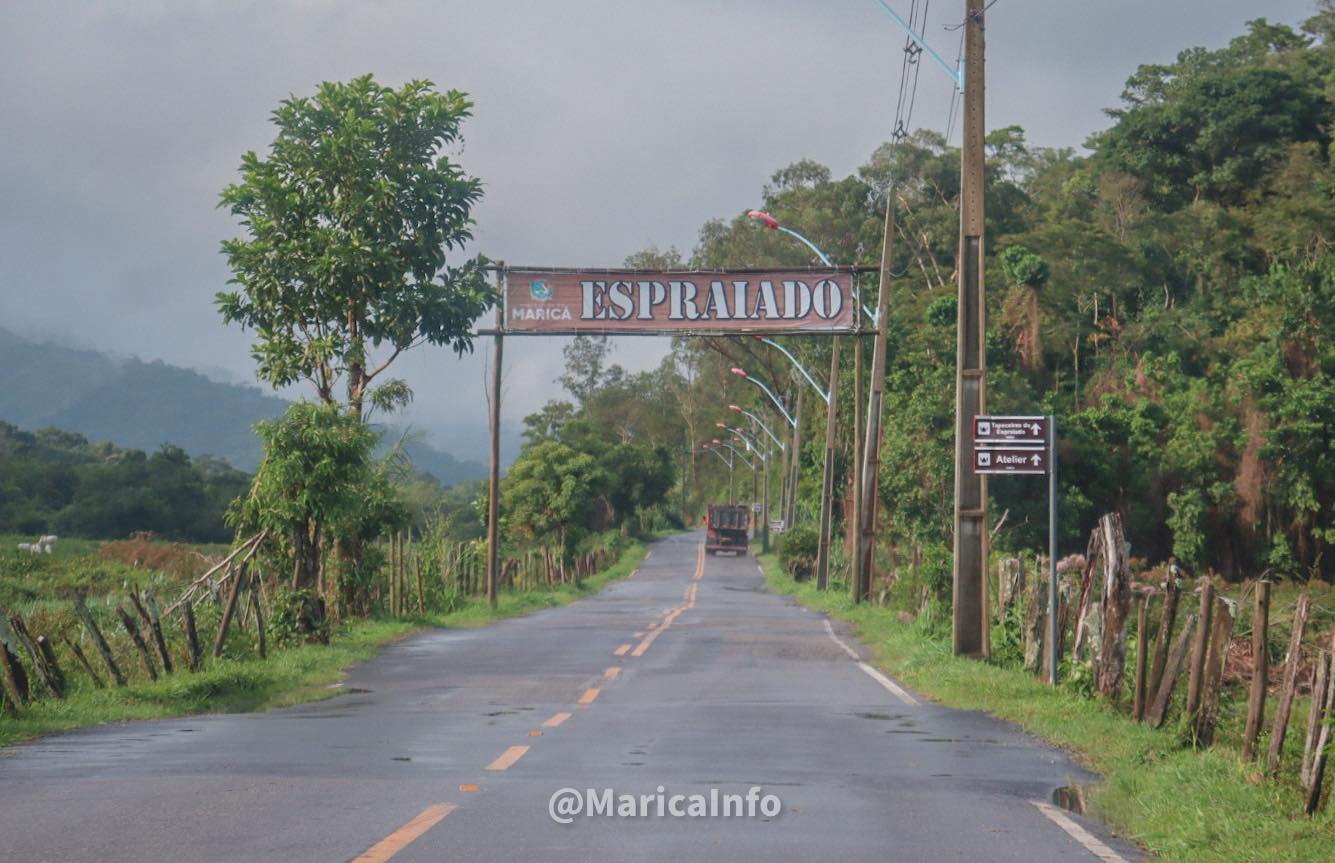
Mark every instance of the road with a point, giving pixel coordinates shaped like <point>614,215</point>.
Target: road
<point>449,746</point>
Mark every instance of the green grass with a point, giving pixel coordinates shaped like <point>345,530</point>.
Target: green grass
<point>287,677</point>
<point>1180,804</point>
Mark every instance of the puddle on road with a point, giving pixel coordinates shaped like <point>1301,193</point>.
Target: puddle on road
<point>400,758</point>
<point>885,717</point>
<point>1070,798</point>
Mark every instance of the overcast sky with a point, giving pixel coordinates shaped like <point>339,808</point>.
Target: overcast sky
<point>601,127</point>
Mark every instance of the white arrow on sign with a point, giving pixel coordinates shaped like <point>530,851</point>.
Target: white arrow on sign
<point>1036,460</point>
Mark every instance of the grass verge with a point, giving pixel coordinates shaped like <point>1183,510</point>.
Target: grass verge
<point>287,677</point>
<point>1179,804</point>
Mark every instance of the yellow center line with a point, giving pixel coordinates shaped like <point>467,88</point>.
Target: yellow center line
<point>637,635</point>
<point>621,651</point>
<point>612,672</point>
<point>508,758</point>
<point>399,839</point>
<point>556,720</point>
<point>589,695</point>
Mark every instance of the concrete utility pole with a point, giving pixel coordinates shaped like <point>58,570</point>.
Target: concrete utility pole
<point>827,476</point>
<point>970,627</point>
<point>494,487</point>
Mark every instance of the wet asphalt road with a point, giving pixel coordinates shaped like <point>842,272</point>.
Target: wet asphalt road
<point>668,679</point>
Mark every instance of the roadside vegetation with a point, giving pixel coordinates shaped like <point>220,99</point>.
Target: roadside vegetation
<point>1181,803</point>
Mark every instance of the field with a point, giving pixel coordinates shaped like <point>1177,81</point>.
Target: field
<point>40,590</point>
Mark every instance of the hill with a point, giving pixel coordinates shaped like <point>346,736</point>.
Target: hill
<point>141,405</point>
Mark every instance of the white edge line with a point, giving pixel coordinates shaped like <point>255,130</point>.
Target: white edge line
<point>1078,833</point>
<point>887,683</point>
<point>894,688</point>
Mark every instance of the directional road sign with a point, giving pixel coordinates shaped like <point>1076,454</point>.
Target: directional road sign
<point>1012,430</point>
<point>1010,460</point>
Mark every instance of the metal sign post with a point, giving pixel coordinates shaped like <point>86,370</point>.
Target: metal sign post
<point>1023,446</point>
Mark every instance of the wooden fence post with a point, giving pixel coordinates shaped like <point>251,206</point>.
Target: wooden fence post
<point>1214,669</point>
<point>191,635</point>
<point>1142,651</point>
<point>139,643</point>
<point>81,609</point>
<point>1202,646</point>
<point>1172,670</point>
<point>261,644</point>
<point>47,672</point>
<point>1114,599</point>
<point>228,610</point>
<point>83,661</point>
<point>1322,749</point>
<point>1168,617</point>
<point>1260,668</point>
<point>1320,685</point>
<point>1279,729</point>
<point>16,678</point>
<point>154,621</point>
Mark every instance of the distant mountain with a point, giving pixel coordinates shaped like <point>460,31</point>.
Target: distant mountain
<point>142,405</point>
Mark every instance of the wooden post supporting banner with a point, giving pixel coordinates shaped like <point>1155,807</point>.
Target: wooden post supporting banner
<point>494,472</point>
<point>827,476</point>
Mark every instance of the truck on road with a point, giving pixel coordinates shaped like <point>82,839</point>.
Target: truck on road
<point>726,528</point>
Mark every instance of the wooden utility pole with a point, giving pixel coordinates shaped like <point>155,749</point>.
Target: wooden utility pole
<point>827,476</point>
<point>871,449</point>
<point>855,581</point>
<point>494,474</point>
<point>970,577</point>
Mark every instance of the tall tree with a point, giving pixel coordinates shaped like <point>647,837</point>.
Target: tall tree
<point>349,217</point>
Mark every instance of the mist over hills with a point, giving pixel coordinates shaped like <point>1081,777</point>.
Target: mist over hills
<point>142,405</point>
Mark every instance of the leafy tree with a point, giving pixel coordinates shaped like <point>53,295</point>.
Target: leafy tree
<point>348,219</point>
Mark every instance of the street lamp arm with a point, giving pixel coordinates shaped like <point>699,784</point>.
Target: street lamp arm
<point>824,258</point>
<point>778,404</point>
<point>736,452</point>
<point>761,423</point>
<point>825,396</point>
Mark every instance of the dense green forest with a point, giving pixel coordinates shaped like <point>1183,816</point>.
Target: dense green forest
<point>53,481</point>
<point>1169,295</point>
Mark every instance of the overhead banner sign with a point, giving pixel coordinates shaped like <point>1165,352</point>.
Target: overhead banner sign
<point>555,302</point>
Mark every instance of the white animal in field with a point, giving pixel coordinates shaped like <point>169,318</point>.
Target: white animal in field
<point>46,542</point>
<point>31,547</point>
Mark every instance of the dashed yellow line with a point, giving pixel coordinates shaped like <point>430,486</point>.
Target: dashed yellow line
<point>589,695</point>
<point>612,672</point>
<point>621,651</point>
<point>508,758</point>
<point>556,720</point>
<point>399,839</point>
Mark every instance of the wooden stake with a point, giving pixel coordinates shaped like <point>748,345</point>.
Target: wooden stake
<point>83,661</point>
<point>95,633</point>
<point>1202,646</point>
<point>16,679</point>
<point>191,636</point>
<point>1292,662</point>
<point>1322,751</point>
<point>1260,668</point>
<point>1320,685</point>
<point>155,626</point>
<point>421,598</point>
<point>1167,618</point>
<point>1172,669</point>
<point>261,644</point>
<point>46,672</point>
<point>1142,651</point>
<point>140,645</point>
<point>228,610</point>
<point>1220,637</point>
